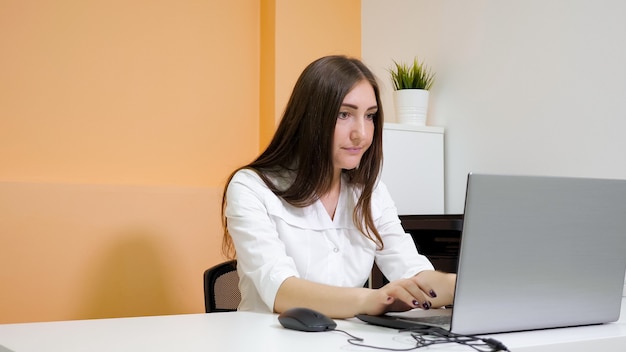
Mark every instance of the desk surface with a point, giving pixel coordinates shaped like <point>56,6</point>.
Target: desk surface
<point>247,331</point>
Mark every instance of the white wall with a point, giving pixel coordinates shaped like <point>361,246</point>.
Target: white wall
<point>523,86</point>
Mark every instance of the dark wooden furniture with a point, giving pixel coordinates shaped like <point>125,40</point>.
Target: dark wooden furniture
<point>436,236</point>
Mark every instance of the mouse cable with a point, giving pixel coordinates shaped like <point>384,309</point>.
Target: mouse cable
<point>354,340</point>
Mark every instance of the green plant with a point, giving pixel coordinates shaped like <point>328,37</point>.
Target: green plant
<point>415,76</point>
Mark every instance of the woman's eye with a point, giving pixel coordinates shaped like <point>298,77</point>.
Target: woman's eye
<point>344,114</point>
<point>371,116</point>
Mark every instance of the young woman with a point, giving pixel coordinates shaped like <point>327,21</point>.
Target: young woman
<point>308,218</point>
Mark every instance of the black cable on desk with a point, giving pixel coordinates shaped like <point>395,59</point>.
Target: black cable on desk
<point>436,335</point>
<point>428,336</point>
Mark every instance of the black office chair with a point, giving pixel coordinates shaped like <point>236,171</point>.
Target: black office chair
<point>221,291</point>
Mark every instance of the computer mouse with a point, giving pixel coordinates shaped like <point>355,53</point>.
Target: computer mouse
<point>305,319</point>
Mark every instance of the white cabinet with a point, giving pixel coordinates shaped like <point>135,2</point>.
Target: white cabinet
<point>413,167</point>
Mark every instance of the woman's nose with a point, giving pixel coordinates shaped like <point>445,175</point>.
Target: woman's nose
<point>358,128</point>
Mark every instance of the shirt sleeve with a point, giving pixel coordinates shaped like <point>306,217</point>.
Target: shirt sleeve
<point>261,255</point>
<point>399,258</point>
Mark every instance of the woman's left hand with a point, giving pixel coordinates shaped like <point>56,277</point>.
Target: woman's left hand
<point>429,289</point>
<point>437,282</point>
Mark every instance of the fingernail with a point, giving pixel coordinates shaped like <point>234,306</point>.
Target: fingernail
<point>426,305</point>
<point>416,303</point>
<point>432,294</point>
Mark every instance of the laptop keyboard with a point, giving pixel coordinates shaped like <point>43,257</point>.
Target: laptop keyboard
<point>439,320</point>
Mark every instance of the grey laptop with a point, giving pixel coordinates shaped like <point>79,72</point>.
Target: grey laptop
<point>536,252</point>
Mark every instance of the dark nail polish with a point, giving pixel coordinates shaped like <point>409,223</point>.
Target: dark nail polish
<point>432,294</point>
<point>426,305</point>
<point>416,303</point>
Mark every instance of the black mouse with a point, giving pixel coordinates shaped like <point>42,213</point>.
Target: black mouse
<point>305,319</point>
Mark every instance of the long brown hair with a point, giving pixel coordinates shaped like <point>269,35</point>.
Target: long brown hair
<point>303,140</point>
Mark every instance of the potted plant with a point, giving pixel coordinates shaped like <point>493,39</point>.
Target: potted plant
<point>411,84</point>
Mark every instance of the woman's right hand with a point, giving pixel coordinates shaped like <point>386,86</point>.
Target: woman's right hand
<point>420,291</point>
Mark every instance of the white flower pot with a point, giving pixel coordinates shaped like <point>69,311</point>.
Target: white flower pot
<point>411,106</point>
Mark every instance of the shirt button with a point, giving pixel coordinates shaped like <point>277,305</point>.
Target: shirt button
<point>335,249</point>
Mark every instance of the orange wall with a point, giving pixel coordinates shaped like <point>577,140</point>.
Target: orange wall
<point>74,251</point>
<point>126,91</point>
<point>119,121</point>
<point>302,31</point>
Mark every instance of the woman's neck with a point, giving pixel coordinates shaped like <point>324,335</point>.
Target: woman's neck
<point>331,198</point>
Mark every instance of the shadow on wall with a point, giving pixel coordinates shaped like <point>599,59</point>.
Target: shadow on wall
<point>129,280</point>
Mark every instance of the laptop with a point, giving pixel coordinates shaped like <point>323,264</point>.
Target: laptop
<point>536,252</point>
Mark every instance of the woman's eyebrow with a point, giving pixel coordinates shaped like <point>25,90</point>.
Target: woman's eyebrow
<point>373,107</point>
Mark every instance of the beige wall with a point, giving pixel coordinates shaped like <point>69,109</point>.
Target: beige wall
<point>119,121</point>
<point>524,87</point>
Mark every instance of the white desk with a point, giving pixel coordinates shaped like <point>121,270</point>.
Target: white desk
<point>245,331</point>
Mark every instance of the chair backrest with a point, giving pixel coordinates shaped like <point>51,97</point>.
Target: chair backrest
<point>221,290</point>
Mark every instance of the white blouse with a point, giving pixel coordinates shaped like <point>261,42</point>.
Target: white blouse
<point>275,240</point>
